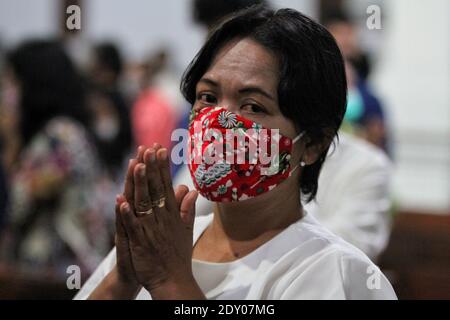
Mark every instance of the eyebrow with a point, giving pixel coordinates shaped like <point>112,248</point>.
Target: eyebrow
<point>209,81</point>
<point>256,90</point>
<point>243,90</point>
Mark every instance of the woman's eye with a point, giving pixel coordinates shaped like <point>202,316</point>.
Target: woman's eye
<point>253,108</point>
<point>207,98</point>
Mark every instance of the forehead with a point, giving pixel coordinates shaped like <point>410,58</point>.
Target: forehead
<point>246,61</point>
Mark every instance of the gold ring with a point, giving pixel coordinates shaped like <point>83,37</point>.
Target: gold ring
<point>159,203</point>
<point>144,213</point>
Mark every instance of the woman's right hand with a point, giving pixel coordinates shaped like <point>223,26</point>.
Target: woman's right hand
<point>121,282</point>
<point>124,264</point>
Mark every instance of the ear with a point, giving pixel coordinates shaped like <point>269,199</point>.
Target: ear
<point>313,149</point>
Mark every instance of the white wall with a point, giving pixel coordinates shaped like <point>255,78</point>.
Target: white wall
<point>308,7</point>
<point>20,19</point>
<point>142,26</point>
<point>414,79</point>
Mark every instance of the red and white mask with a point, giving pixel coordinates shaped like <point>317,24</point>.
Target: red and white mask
<point>232,158</point>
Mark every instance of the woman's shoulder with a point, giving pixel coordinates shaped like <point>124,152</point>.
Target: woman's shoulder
<point>324,259</point>
<point>307,261</point>
<point>325,244</point>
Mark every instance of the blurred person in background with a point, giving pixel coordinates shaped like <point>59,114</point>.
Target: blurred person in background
<point>155,113</point>
<point>3,198</point>
<point>365,113</point>
<point>54,221</point>
<point>8,145</point>
<point>211,13</point>
<point>111,123</point>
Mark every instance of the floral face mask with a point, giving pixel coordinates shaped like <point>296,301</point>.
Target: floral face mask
<point>232,158</point>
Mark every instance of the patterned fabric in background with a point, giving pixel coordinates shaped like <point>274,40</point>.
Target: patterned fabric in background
<point>55,219</point>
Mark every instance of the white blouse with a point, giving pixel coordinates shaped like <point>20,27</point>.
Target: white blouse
<point>353,199</point>
<point>304,261</point>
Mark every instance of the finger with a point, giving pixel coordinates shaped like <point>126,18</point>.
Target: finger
<point>180,192</point>
<point>132,225</point>
<point>129,181</point>
<point>140,153</point>
<point>120,229</point>
<point>156,146</point>
<point>155,185</point>
<point>120,198</point>
<point>142,200</point>
<point>164,169</point>
<point>138,150</point>
<point>187,209</point>
<point>166,178</point>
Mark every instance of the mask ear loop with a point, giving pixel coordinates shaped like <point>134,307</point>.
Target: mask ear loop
<point>302,163</point>
<point>298,137</point>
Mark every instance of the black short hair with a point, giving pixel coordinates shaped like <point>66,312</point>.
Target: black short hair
<point>312,89</point>
<point>108,55</point>
<point>211,12</point>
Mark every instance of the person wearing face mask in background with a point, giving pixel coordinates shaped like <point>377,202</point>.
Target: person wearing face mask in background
<point>370,122</point>
<point>354,199</point>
